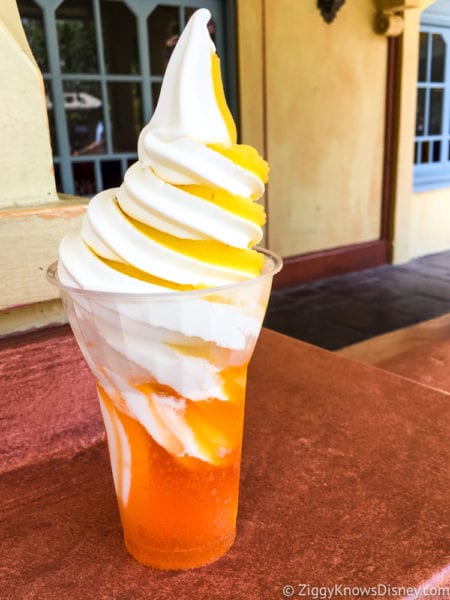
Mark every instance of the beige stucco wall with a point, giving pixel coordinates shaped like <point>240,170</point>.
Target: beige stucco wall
<point>250,17</point>
<point>324,98</point>
<point>421,220</point>
<point>312,100</point>
<point>25,152</point>
<point>429,229</point>
<point>32,218</point>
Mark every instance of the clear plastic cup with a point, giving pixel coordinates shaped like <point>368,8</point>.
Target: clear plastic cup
<point>171,375</point>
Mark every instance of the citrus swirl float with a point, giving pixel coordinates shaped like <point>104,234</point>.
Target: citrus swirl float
<point>170,354</point>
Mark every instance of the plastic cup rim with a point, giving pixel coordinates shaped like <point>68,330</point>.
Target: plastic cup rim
<point>272,269</point>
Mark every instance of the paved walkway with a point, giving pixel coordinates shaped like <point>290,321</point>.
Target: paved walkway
<point>338,311</point>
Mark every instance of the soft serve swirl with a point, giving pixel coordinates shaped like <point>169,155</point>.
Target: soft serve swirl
<point>185,216</point>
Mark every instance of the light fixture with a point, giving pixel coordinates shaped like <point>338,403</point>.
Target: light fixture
<point>329,8</point>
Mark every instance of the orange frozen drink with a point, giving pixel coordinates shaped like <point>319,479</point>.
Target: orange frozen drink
<point>166,294</point>
<point>181,511</point>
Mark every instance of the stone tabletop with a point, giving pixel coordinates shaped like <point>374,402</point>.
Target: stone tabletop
<point>345,480</point>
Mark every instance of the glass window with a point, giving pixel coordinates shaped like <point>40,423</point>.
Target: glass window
<point>435,116</point>
<point>423,51</point>
<point>432,161</point>
<point>121,49</point>
<point>163,31</point>
<point>51,117</point>
<point>33,24</point>
<point>102,77</point>
<point>437,58</point>
<point>84,113</point>
<point>84,177</point>
<point>125,114</point>
<point>76,37</point>
<point>111,173</point>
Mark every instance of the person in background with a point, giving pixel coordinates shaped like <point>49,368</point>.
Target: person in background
<point>97,145</point>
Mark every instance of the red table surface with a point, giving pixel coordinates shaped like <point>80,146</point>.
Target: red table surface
<point>345,482</point>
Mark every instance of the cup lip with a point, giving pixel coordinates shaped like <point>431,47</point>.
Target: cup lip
<point>273,264</point>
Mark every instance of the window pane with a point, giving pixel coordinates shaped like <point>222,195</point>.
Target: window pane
<point>51,117</point>
<point>188,12</point>
<point>84,114</point>
<point>125,113</point>
<point>420,114</point>
<point>438,58</point>
<point>425,152</point>
<point>121,55</point>
<point>111,173</point>
<point>423,56</point>
<point>163,32</point>
<point>156,89</point>
<point>436,151</point>
<point>57,171</point>
<point>435,114</point>
<point>33,25</point>
<point>84,178</point>
<point>76,37</point>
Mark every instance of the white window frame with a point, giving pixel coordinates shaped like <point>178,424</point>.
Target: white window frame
<point>55,79</point>
<point>435,175</point>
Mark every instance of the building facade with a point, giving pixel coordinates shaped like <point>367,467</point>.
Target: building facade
<point>353,115</point>
<point>337,119</point>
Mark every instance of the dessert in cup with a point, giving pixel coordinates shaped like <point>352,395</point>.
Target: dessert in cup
<point>166,293</point>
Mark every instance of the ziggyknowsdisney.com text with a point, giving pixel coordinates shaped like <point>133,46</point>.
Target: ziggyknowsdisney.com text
<point>380,590</point>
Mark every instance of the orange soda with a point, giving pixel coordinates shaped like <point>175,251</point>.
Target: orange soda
<point>181,511</point>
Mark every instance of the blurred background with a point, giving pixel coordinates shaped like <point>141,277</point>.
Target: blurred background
<point>348,101</point>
